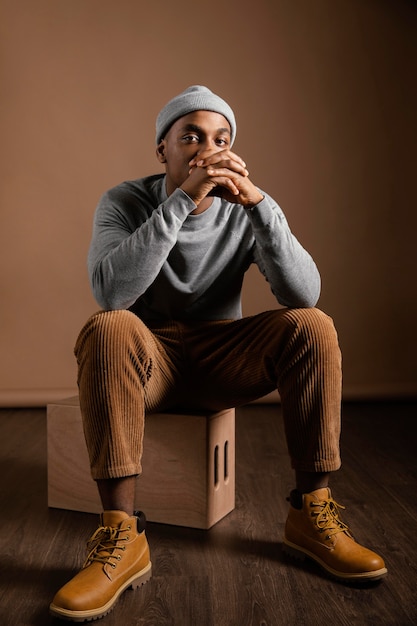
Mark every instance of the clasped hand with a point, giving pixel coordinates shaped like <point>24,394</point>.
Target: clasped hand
<point>222,173</point>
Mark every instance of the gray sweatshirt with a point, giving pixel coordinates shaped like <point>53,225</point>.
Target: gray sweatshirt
<point>150,255</point>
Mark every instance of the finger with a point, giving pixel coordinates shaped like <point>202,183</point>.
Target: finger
<point>204,159</point>
<point>226,172</point>
<point>230,165</point>
<point>228,183</point>
<point>231,161</point>
<point>222,167</point>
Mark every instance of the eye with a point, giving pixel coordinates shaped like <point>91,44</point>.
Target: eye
<point>222,141</point>
<point>190,138</point>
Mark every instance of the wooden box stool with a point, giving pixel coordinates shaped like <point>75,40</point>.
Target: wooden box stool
<point>188,466</point>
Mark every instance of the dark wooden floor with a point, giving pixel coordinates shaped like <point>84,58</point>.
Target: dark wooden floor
<point>235,574</point>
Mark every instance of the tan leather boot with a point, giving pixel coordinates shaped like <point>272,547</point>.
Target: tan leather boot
<point>118,558</point>
<point>315,530</point>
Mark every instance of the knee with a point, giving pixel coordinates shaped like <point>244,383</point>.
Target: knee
<point>314,318</point>
<point>106,327</point>
<point>313,325</point>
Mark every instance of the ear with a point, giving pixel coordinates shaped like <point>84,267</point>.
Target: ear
<point>160,152</point>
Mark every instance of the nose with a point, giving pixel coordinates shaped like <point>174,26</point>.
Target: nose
<point>208,146</point>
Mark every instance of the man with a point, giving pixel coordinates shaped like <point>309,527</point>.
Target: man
<point>166,262</point>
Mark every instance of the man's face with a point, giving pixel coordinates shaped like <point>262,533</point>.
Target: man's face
<point>192,134</point>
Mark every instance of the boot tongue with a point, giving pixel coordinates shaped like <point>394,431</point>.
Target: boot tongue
<point>297,497</point>
<point>113,518</point>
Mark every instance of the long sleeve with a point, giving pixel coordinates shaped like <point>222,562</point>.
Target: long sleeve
<point>291,272</point>
<point>131,241</point>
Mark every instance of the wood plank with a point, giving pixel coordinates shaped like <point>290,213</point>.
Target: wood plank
<point>235,573</point>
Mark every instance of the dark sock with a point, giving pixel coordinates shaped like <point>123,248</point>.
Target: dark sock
<point>296,499</point>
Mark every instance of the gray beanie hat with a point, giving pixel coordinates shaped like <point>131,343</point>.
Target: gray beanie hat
<point>195,98</point>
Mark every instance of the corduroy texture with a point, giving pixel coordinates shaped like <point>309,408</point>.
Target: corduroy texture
<point>194,98</point>
<point>127,369</point>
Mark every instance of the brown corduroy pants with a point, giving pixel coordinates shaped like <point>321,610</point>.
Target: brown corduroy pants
<point>128,369</point>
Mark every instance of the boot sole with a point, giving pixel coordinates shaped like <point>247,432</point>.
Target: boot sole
<point>299,553</point>
<point>133,582</point>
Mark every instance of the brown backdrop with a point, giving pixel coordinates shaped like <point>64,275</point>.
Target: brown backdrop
<point>325,97</point>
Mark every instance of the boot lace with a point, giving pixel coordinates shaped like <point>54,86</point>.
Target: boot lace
<point>104,545</point>
<point>327,517</point>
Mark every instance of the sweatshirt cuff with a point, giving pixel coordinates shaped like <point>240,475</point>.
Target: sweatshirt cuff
<point>182,205</point>
<point>265,212</point>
